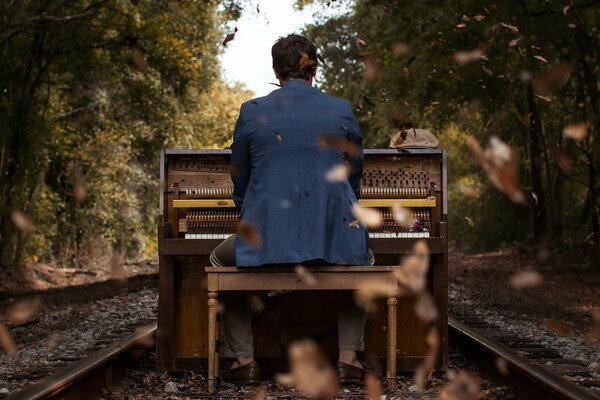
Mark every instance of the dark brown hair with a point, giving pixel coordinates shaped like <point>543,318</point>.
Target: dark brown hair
<point>294,56</point>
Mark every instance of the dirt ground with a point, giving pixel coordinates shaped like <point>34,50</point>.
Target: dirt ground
<point>568,293</point>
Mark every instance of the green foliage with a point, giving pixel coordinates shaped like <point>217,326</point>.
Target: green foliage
<point>423,82</point>
<point>90,91</point>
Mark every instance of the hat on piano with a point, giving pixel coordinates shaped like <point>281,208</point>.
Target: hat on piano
<point>414,138</point>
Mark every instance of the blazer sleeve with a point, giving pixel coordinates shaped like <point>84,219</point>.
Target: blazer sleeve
<point>241,166</point>
<point>355,151</point>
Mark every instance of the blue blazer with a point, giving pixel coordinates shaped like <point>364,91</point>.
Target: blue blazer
<point>284,144</point>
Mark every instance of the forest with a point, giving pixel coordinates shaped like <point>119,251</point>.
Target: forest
<point>92,90</point>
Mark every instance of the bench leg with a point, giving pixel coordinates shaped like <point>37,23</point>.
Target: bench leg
<point>212,341</point>
<point>391,343</point>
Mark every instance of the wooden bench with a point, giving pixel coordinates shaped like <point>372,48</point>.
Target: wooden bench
<point>285,278</point>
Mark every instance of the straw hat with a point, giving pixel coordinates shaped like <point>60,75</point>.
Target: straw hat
<point>414,138</point>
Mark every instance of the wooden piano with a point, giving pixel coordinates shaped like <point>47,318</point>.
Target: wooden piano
<point>197,213</point>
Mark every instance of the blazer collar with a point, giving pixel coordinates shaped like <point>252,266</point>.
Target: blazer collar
<point>296,83</point>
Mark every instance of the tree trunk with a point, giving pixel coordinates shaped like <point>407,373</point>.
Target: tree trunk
<point>535,154</point>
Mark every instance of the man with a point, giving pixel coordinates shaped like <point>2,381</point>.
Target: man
<point>288,149</point>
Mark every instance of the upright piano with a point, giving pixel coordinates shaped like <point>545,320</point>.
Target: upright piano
<point>197,213</point>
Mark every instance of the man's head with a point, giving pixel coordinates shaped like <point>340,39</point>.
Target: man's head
<point>294,57</point>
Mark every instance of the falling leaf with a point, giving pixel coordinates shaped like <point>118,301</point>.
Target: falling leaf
<point>260,393</point>
<point>535,198</point>
<point>412,273</point>
<point>487,70</point>
<point>23,310</point>
<point>469,221</point>
<point>500,163</point>
<point>406,72</point>
<point>577,131</point>
<point>372,69</point>
<point>373,387</point>
<point>257,9</point>
<point>526,279</point>
<point>466,57</point>
<point>425,309</point>
<point>337,174</point>
<point>117,268</point>
<point>511,27</point>
<point>411,60</point>
<point>310,371</point>
<point>463,387</point>
<point>368,290</point>
<point>513,42</point>
<point>257,304</point>
<point>469,191</point>
<point>7,342</point>
<point>306,276</point>
<point>502,366</point>
<point>593,335</point>
<point>249,233</point>
<point>460,26</point>
<point>479,17</point>
<point>552,79</point>
<point>22,221</point>
<point>278,136</point>
<point>560,328</point>
<point>399,49</point>
<point>360,41</point>
<point>566,8</point>
<point>354,224</point>
<point>423,371</point>
<point>339,143</point>
<point>572,25</point>
<point>230,37</point>
<point>369,217</point>
<point>402,215</point>
<point>542,59</point>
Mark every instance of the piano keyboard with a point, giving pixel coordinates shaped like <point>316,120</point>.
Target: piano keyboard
<point>372,235</point>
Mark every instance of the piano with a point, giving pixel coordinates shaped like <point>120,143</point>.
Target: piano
<point>197,213</point>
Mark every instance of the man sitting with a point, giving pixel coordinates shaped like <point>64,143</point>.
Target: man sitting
<point>288,149</point>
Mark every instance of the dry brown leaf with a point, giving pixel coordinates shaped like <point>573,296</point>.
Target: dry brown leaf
<point>230,37</point>
<point>425,309</point>
<point>257,304</point>
<point>372,69</point>
<point>337,174</point>
<point>466,57</point>
<point>526,279</point>
<point>566,8</point>
<point>354,224</point>
<point>373,387</point>
<point>469,221</point>
<point>463,387</point>
<point>541,58</point>
<point>406,72</point>
<point>7,342</point>
<point>423,371</point>
<point>305,275</point>
<point>511,27</point>
<point>138,60</point>
<point>310,371</point>
<point>400,49</point>
<point>249,233</point>
<point>513,42</point>
<point>369,217</point>
<point>558,327</point>
<point>552,79</point>
<point>593,335</point>
<point>500,163</point>
<point>502,366</point>
<point>412,274</point>
<point>369,290</point>
<point>461,26</point>
<point>577,131</point>
<point>22,221</point>
<point>402,215</point>
<point>117,268</point>
<point>359,41</point>
<point>535,198</point>
<point>23,310</point>
<point>469,190</point>
<point>340,143</point>
<point>563,159</point>
<point>278,136</point>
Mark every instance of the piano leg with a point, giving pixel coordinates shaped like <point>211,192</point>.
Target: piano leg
<point>391,343</point>
<point>212,341</point>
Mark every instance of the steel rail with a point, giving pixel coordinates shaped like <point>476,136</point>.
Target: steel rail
<point>529,380</point>
<point>86,378</point>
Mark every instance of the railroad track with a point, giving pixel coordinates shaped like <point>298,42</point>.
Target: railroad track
<point>85,379</point>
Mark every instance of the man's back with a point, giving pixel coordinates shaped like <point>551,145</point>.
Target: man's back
<point>280,180</point>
